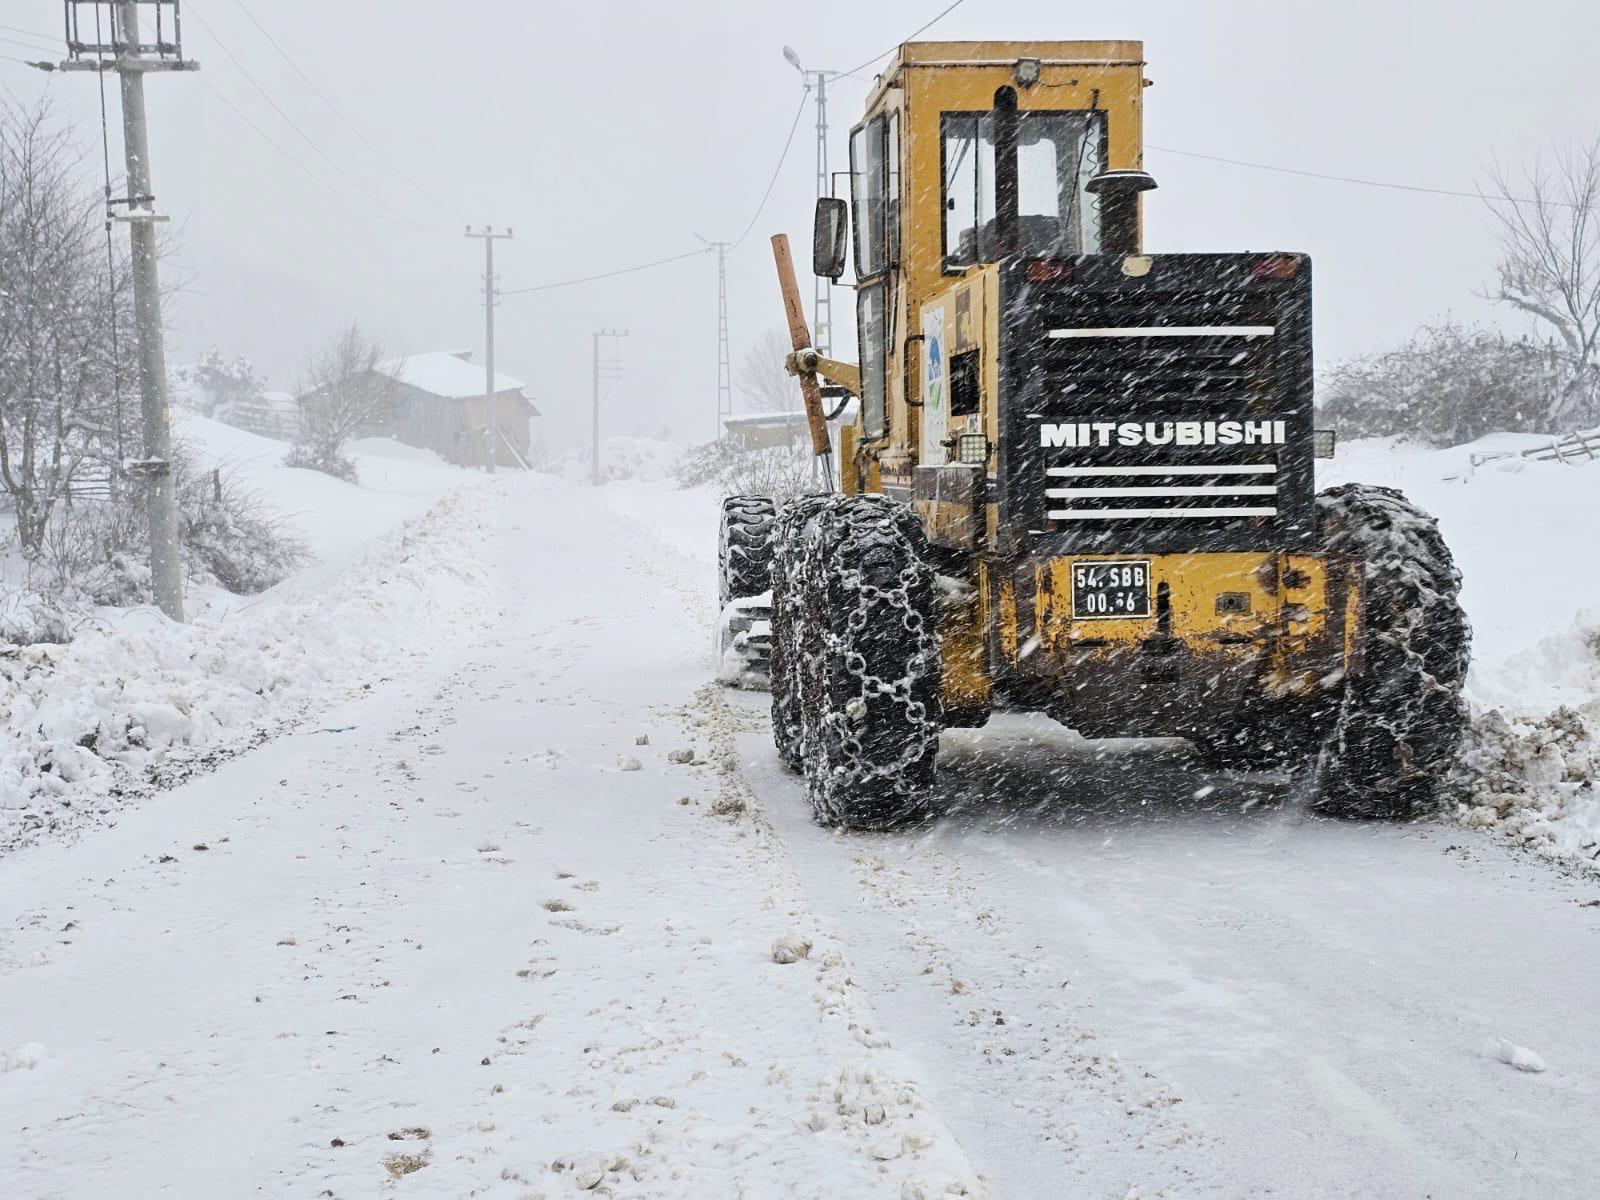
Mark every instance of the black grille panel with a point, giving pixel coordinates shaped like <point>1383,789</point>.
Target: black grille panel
<point>1161,412</point>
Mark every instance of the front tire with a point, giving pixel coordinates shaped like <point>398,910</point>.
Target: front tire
<point>1402,716</point>
<point>868,664</point>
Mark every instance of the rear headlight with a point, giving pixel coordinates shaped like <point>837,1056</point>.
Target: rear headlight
<point>1041,270</point>
<point>1275,266</point>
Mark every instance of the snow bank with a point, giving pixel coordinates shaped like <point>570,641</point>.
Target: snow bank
<point>1533,753</point>
<point>83,724</point>
<point>1519,530</point>
<point>396,483</point>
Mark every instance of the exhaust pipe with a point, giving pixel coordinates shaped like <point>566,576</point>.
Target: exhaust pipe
<point>1006,236</point>
<point>1119,207</point>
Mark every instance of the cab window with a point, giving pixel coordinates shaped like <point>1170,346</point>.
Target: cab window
<point>869,187</point>
<point>872,330</point>
<point>892,191</point>
<point>1057,154</point>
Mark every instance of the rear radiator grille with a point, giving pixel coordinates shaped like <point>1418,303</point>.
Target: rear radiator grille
<point>1155,491</point>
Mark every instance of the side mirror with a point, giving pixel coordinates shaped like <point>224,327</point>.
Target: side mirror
<point>830,237</point>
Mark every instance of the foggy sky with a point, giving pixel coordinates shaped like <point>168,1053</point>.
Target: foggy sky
<point>610,133</point>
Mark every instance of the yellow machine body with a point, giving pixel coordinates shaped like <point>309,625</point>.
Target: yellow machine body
<point>1232,633</point>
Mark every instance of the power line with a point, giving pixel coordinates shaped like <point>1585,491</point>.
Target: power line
<point>1377,183</point>
<point>333,108</point>
<point>942,14</point>
<point>49,39</point>
<point>765,196</point>
<point>660,262</point>
<point>276,145</point>
<point>306,137</point>
<point>10,41</point>
<point>773,182</point>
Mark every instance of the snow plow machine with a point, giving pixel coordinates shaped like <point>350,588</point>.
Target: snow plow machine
<point>1080,477</point>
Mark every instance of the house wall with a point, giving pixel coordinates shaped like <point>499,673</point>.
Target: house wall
<point>454,429</point>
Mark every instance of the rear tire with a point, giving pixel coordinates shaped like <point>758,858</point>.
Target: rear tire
<point>1401,717</point>
<point>744,577</point>
<point>744,548</point>
<point>867,663</point>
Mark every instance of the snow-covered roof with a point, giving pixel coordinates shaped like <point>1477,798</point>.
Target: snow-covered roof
<point>765,420</point>
<point>445,373</point>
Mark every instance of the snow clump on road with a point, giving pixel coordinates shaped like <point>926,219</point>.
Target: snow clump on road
<point>1533,752</point>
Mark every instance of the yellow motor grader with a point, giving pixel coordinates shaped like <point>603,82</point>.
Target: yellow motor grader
<point>1080,476</point>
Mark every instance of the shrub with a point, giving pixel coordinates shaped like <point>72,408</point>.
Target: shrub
<point>781,472</point>
<point>97,552</point>
<point>329,460</point>
<point>1452,383</point>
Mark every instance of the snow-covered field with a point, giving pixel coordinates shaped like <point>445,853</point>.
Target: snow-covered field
<point>537,913</point>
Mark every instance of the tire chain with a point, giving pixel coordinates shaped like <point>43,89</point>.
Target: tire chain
<point>1410,691</point>
<point>834,623</point>
<point>787,532</point>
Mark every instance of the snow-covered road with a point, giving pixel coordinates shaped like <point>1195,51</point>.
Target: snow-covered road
<point>1205,988</point>
<point>465,936</point>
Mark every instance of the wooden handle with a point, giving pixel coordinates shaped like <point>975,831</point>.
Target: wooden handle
<point>800,338</point>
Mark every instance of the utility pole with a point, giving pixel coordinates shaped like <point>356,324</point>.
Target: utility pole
<point>611,369</point>
<point>491,298</point>
<point>724,358</point>
<point>131,58</point>
<point>822,298</point>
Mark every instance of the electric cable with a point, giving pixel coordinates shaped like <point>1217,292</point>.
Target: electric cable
<point>545,287</point>
<point>1376,183</point>
<point>776,171</point>
<point>334,109</point>
<point>300,165</point>
<point>307,138</point>
<point>111,257</point>
<point>923,28</point>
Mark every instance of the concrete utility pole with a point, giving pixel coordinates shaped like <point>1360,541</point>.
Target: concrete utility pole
<point>128,56</point>
<point>602,370</point>
<point>491,297</point>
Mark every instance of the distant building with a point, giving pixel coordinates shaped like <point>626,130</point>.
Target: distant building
<point>439,406</point>
<point>768,430</point>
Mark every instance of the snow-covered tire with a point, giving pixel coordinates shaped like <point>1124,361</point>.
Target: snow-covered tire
<point>1401,716</point>
<point>744,562</point>
<point>744,547</point>
<point>867,660</point>
<point>788,534</point>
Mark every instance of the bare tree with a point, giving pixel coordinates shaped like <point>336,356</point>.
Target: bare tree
<point>761,378</point>
<point>341,388</point>
<point>1549,225</point>
<point>60,300</point>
